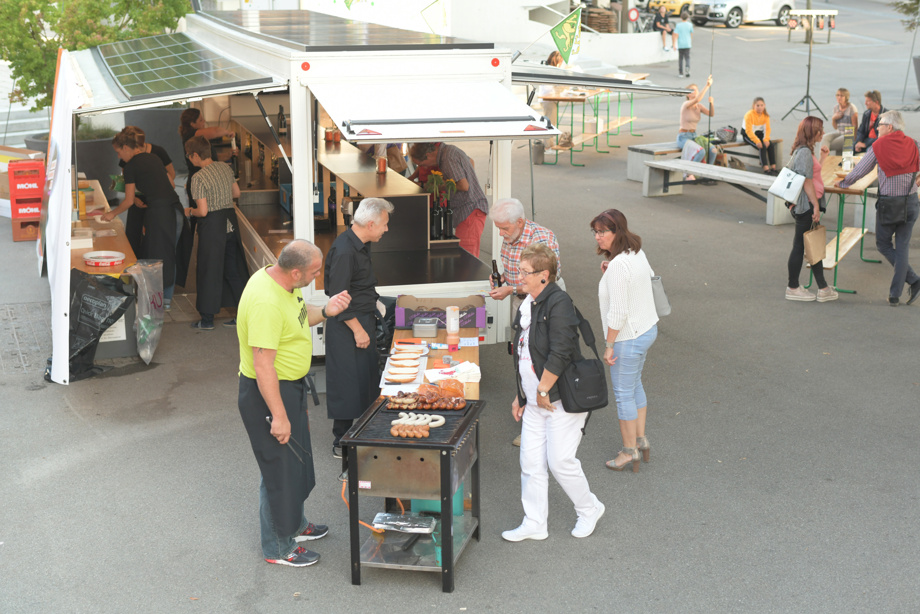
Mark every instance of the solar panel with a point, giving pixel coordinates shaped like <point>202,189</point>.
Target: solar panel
<point>172,63</point>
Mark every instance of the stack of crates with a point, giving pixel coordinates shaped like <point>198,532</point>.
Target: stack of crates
<point>27,184</point>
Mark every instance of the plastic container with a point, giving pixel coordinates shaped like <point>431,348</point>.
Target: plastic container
<point>453,326</point>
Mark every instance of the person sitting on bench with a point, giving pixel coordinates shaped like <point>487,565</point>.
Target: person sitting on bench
<point>756,133</point>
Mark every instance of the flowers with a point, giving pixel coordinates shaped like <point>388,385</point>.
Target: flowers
<point>442,188</point>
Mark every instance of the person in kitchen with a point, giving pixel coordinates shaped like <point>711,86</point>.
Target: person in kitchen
<point>469,204</point>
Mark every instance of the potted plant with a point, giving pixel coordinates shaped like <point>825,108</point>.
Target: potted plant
<point>31,31</point>
<point>911,10</point>
<point>441,190</point>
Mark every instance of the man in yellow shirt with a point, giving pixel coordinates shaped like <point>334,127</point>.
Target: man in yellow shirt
<point>273,327</point>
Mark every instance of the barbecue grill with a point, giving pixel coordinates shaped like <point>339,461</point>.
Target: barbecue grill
<point>431,468</point>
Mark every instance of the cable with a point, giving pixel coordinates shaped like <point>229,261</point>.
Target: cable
<point>375,530</point>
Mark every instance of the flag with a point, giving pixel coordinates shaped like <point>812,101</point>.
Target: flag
<point>567,35</point>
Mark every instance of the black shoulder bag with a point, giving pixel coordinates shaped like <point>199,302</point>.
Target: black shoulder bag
<point>583,383</point>
<point>893,209</point>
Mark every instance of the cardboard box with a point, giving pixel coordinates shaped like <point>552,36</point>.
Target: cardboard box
<point>472,310</point>
<point>15,153</point>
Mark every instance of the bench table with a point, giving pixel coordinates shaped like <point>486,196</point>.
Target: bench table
<point>637,155</point>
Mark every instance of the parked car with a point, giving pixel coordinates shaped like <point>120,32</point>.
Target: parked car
<point>733,13</point>
<point>675,7</point>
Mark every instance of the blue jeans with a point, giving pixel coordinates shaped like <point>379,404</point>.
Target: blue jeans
<point>626,373</point>
<point>897,253</point>
<point>274,546</point>
<point>683,137</point>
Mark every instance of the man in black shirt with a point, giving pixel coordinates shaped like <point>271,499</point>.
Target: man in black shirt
<point>661,24</point>
<point>352,371</point>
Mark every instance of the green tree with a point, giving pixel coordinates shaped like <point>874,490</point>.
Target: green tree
<point>911,9</point>
<point>31,31</point>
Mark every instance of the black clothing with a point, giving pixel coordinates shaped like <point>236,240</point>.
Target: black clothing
<point>352,373</point>
<point>803,223</point>
<point>159,152</point>
<point>134,224</point>
<point>348,267</point>
<point>147,173</point>
<point>660,21</point>
<point>553,337</point>
<point>221,269</point>
<point>862,133</point>
<point>288,481</point>
<point>767,152</point>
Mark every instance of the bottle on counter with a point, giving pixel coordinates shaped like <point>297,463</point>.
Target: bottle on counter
<point>282,122</point>
<point>435,222</point>
<point>496,276</point>
<point>448,222</point>
<point>333,218</point>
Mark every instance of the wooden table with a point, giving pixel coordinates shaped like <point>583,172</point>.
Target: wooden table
<point>470,390</point>
<point>845,237</point>
<point>118,243</point>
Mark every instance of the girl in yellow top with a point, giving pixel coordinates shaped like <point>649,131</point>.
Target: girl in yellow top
<point>756,133</point>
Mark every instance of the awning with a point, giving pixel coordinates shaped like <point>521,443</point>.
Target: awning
<point>159,70</point>
<point>539,74</point>
<point>399,111</point>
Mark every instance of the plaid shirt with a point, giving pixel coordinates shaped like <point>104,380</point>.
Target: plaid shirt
<point>898,185</point>
<point>455,164</point>
<point>511,252</point>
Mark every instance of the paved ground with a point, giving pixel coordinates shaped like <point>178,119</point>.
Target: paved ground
<point>784,458</point>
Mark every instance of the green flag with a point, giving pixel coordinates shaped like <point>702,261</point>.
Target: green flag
<point>567,35</point>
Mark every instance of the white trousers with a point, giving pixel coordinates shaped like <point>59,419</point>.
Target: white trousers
<point>550,439</point>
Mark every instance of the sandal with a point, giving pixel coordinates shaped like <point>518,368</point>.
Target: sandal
<point>643,446</point>
<point>633,453</point>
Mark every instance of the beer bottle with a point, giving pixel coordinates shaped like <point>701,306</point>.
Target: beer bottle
<point>496,276</point>
<point>435,222</point>
<point>282,122</point>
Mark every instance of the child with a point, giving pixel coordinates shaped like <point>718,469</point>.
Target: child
<point>756,133</point>
<point>684,30</point>
<point>221,268</point>
<point>662,25</point>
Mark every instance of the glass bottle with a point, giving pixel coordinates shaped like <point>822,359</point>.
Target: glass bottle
<point>496,276</point>
<point>448,221</point>
<point>435,221</point>
<point>282,122</point>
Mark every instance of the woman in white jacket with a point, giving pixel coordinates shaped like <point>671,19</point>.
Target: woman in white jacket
<point>630,323</point>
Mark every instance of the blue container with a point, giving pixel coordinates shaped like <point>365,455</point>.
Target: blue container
<point>432,505</point>
<point>286,196</point>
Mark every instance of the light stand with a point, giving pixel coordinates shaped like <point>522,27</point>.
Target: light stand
<point>807,99</point>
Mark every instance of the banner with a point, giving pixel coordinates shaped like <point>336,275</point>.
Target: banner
<point>567,35</point>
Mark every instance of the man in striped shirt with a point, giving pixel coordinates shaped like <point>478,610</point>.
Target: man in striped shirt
<point>898,160</point>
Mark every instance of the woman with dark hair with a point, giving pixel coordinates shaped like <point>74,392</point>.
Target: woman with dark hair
<point>756,133</point>
<point>134,223</point>
<point>191,123</point>
<point>163,219</point>
<point>807,209</point>
<point>630,323</point>
<point>545,342</point>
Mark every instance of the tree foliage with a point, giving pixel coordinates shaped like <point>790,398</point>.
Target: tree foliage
<point>910,9</point>
<point>31,31</point>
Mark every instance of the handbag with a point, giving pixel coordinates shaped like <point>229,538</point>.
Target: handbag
<point>892,209</point>
<point>787,185</point>
<point>583,383</point>
<point>396,160</point>
<point>815,243</point>
<point>662,304</point>
<point>728,134</point>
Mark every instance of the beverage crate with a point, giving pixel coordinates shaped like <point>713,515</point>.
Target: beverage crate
<point>26,229</point>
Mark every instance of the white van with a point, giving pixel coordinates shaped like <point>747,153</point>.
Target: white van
<point>733,13</point>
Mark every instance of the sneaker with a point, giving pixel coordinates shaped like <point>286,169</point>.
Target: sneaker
<point>893,301</point>
<point>516,441</point>
<point>230,323</point>
<point>167,304</point>
<point>336,451</point>
<point>313,531</point>
<point>585,525</point>
<point>521,533</point>
<point>799,294</point>
<point>301,557</point>
<point>202,325</point>
<point>827,294</point>
<point>913,292</point>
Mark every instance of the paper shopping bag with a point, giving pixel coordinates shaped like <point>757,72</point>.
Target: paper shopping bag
<point>815,244</point>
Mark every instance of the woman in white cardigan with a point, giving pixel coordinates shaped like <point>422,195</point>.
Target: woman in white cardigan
<point>630,322</point>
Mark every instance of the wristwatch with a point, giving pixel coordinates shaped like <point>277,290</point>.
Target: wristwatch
<point>323,311</point>
<point>542,393</point>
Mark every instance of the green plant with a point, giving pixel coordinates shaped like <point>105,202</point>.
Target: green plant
<point>442,188</point>
<point>31,31</point>
<point>911,9</point>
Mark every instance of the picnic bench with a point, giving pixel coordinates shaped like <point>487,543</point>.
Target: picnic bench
<point>637,155</point>
<point>666,178</point>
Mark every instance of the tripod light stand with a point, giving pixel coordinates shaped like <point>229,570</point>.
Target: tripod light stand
<point>807,100</point>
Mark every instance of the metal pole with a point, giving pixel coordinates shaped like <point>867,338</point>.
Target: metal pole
<point>712,50</point>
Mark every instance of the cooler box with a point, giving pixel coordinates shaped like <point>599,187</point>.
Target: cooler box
<point>433,505</point>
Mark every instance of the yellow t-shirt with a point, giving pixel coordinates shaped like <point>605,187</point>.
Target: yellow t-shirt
<point>270,317</point>
<point>754,121</point>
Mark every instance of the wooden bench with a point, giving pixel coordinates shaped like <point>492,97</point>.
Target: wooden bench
<point>666,178</point>
<point>849,237</point>
<point>589,136</point>
<point>637,155</point>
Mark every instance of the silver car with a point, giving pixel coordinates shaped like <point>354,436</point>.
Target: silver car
<point>733,13</point>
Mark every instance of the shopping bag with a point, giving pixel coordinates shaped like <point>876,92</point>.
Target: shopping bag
<point>815,244</point>
<point>662,304</point>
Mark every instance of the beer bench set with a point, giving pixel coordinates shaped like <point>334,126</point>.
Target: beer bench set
<point>637,155</point>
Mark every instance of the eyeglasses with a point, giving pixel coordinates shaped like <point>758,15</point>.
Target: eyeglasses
<point>527,273</point>
<point>596,232</point>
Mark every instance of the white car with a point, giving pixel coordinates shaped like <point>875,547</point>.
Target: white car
<point>733,13</point>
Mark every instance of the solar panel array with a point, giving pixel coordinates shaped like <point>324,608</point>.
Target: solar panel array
<point>170,63</point>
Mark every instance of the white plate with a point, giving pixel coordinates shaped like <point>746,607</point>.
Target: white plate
<point>419,378</point>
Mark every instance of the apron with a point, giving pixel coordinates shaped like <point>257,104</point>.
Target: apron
<point>352,374</point>
<point>160,236</point>
<point>220,282</point>
<point>287,480</point>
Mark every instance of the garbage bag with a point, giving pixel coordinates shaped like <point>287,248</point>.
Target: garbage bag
<point>149,315</point>
<point>96,302</point>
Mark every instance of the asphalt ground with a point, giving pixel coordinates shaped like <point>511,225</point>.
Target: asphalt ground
<point>783,469</point>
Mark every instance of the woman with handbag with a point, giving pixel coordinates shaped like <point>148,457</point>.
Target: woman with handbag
<point>630,324</point>
<point>545,342</point>
<point>807,209</point>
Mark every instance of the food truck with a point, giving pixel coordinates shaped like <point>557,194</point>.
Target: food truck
<point>339,85</point>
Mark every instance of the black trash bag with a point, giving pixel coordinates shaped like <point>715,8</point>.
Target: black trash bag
<point>96,302</point>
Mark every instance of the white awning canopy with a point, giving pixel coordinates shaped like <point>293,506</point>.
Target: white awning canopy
<point>539,74</point>
<point>400,111</point>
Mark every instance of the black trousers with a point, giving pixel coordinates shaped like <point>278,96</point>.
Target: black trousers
<point>797,256</point>
<point>767,154</point>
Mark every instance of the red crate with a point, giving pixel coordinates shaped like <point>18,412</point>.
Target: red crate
<point>27,179</point>
<point>26,208</point>
<point>26,229</point>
